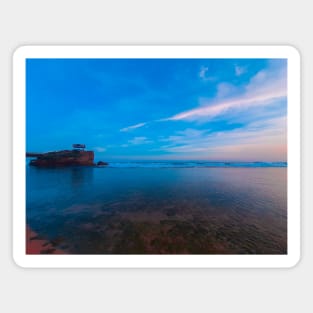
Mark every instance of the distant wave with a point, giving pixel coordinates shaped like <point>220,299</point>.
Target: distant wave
<point>192,164</point>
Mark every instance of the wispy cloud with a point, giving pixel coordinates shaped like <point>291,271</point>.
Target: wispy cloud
<point>262,90</point>
<point>129,128</point>
<point>259,137</point>
<point>185,137</point>
<point>261,140</point>
<point>203,72</point>
<point>137,141</point>
<point>239,70</point>
<point>223,107</point>
<point>225,89</point>
<point>100,149</point>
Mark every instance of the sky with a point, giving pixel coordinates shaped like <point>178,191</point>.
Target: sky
<point>159,109</point>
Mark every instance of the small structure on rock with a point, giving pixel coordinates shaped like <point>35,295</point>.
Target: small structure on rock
<point>79,146</point>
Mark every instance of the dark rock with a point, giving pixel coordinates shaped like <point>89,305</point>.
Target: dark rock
<point>101,163</point>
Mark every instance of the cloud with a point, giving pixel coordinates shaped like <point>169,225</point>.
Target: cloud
<point>203,72</point>
<point>210,111</point>
<point>138,141</point>
<point>100,149</point>
<point>186,136</point>
<point>225,89</point>
<point>239,70</point>
<point>262,90</point>
<point>260,140</point>
<point>129,128</point>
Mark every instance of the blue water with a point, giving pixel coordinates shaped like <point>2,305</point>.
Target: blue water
<point>161,208</point>
<point>188,164</point>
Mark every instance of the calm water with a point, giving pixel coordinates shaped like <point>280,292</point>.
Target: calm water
<point>160,209</point>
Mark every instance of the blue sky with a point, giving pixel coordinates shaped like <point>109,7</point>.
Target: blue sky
<point>137,109</point>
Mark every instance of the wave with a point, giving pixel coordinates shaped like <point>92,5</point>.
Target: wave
<point>192,164</point>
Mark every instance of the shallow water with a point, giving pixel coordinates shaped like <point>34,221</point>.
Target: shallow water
<point>160,210</point>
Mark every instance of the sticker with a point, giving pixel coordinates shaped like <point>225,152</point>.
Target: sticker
<point>156,156</point>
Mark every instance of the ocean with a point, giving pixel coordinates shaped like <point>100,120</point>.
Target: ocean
<point>162,207</point>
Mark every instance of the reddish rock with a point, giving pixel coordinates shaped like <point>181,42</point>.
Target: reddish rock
<point>64,158</point>
<point>37,245</point>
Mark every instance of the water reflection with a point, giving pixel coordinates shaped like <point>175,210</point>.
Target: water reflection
<point>81,176</point>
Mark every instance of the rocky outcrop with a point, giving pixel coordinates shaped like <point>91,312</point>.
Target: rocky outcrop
<point>64,158</point>
<point>101,163</point>
<point>35,244</point>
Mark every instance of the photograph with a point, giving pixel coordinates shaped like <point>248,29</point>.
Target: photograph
<point>156,156</point>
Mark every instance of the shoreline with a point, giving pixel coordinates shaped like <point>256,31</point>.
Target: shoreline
<point>35,244</point>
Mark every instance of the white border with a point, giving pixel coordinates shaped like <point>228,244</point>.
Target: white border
<point>156,261</point>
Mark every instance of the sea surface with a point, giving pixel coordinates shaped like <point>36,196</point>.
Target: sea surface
<point>161,207</point>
